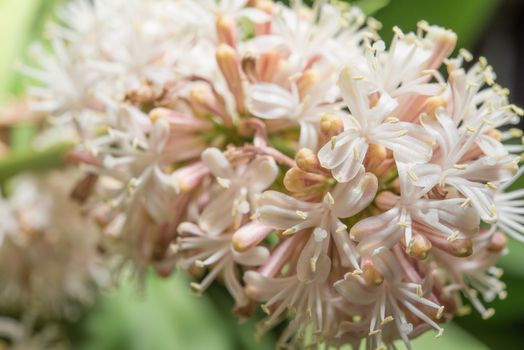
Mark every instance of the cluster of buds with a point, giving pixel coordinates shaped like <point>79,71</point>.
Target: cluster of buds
<point>357,190</point>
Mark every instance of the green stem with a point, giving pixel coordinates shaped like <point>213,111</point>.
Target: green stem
<point>34,160</point>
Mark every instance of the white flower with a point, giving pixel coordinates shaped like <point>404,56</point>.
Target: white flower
<point>286,213</point>
<point>370,124</point>
<point>52,244</point>
<point>418,221</point>
<point>473,178</point>
<point>305,108</point>
<point>324,34</point>
<point>216,252</point>
<point>510,209</point>
<point>407,67</point>
<point>238,186</point>
<point>388,298</point>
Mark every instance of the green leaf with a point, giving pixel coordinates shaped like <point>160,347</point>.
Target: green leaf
<point>370,7</point>
<point>466,17</point>
<point>166,317</point>
<point>453,338</point>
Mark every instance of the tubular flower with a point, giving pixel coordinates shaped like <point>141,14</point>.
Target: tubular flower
<point>358,191</point>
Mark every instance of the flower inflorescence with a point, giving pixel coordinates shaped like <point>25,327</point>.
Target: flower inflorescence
<point>356,189</point>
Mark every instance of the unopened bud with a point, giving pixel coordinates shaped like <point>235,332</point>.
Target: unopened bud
<point>461,247</point>
<point>204,100</point>
<point>373,99</point>
<point>297,180</point>
<point>330,126</point>
<point>370,274</point>
<point>386,200</point>
<point>307,160</point>
<point>444,44</point>
<point>498,242</point>
<point>249,235</point>
<point>419,247</point>
<point>375,157</point>
<point>229,64</point>
<point>188,177</point>
<point>226,31</point>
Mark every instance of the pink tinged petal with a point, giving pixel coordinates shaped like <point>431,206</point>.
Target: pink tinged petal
<point>383,108</point>
<point>183,147</point>
<point>249,235</point>
<point>387,264</point>
<point>443,130</point>
<point>234,287</point>
<point>180,122</point>
<point>253,257</point>
<point>335,152</point>
<point>217,163</point>
<point>262,173</point>
<point>189,228</point>
<point>354,95</point>
<point>308,136</point>
<point>491,146</point>
<point>270,101</point>
<point>313,263</point>
<point>346,248</point>
<point>453,213</point>
<point>284,219</point>
<point>218,214</point>
<point>489,169</point>
<point>373,224</point>
<point>424,175</point>
<point>406,148</point>
<point>159,135</point>
<point>355,290</point>
<point>379,231</point>
<point>279,199</point>
<point>429,89</point>
<point>481,198</point>
<point>354,196</point>
<point>346,158</point>
<point>410,191</point>
<point>280,255</point>
<point>263,288</point>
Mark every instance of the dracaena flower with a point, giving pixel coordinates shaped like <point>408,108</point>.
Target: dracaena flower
<point>45,247</point>
<point>477,274</point>
<point>416,220</point>
<point>300,104</point>
<point>392,301</point>
<point>407,67</point>
<point>179,108</point>
<point>473,178</point>
<point>237,188</point>
<point>327,35</point>
<point>510,207</point>
<point>287,213</point>
<point>370,123</point>
<point>217,253</point>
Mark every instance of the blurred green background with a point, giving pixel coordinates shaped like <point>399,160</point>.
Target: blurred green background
<point>166,315</point>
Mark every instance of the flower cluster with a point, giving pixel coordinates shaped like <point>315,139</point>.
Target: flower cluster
<point>356,189</point>
<point>43,245</point>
